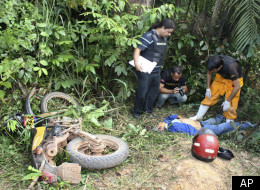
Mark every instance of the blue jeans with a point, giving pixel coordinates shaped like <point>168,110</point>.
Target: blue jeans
<point>173,99</point>
<point>147,90</point>
<point>216,125</point>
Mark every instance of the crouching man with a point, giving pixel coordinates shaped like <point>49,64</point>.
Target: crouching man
<point>172,87</point>
<point>228,82</point>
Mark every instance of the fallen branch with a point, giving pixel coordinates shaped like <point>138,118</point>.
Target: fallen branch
<point>86,183</point>
<point>22,88</point>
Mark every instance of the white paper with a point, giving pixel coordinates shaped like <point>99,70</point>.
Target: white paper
<point>146,65</point>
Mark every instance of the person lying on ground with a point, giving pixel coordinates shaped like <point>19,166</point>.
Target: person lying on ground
<point>180,124</point>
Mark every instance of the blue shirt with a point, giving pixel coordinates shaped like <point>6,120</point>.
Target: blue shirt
<point>146,42</point>
<point>179,127</point>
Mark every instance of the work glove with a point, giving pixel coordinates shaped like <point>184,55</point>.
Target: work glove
<point>225,105</point>
<point>208,93</point>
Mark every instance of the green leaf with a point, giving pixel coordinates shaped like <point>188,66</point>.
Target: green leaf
<point>42,25</point>
<point>143,132</point>
<point>57,35</point>
<point>120,69</point>
<point>31,176</point>
<point>204,48</point>
<point>86,109</point>
<point>92,69</point>
<point>121,4</point>
<point>32,36</point>
<point>152,18</point>
<point>44,71</point>
<point>95,121</point>
<point>191,43</point>
<point>126,135</point>
<point>40,73</point>
<point>6,84</point>
<point>140,25</point>
<point>180,44</point>
<point>108,123</point>
<point>62,32</point>
<point>218,49</point>
<point>43,62</point>
<point>132,128</point>
<point>45,34</point>
<point>57,85</point>
<point>117,18</point>
<point>36,68</point>
<point>2,94</point>
<point>65,42</point>
<point>65,84</point>
<point>97,58</point>
<point>11,125</point>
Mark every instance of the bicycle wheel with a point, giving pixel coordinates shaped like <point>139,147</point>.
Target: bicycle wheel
<point>115,153</point>
<point>55,101</point>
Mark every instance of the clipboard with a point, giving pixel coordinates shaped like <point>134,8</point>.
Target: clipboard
<point>146,65</point>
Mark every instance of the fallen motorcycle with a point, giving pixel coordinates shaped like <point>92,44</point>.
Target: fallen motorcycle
<point>51,136</point>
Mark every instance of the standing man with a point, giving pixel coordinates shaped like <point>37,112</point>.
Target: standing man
<point>153,47</point>
<point>172,87</point>
<point>228,81</point>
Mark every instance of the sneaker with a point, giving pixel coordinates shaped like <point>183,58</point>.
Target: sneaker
<point>153,116</point>
<point>158,107</point>
<point>135,115</point>
<point>229,120</point>
<point>194,118</point>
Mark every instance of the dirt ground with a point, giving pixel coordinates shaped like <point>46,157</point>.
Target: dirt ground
<point>181,171</point>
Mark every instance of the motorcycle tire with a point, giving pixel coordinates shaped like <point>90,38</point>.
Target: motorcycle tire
<point>28,108</point>
<point>48,98</point>
<point>102,161</point>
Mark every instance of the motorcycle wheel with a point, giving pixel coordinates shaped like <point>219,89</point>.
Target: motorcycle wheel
<point>55,101</point>
<point>76,155</point>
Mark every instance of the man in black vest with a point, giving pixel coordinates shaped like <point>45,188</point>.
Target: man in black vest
<point>172,87</point>
<point>228,81</point>
<point>153,47</point>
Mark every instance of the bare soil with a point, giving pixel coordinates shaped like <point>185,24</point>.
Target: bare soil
<point>177,169</point>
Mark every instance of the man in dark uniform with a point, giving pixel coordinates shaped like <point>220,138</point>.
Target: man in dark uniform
<point>153,47</point>
<point>172,87</point>
<point>228,81</point>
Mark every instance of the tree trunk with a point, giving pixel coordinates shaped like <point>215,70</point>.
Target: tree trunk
<point>188,9</point>
<point>224,17</point>
<point>149,3</point>
<point>143,2</point>
<point>196,7</point>
<point>216,11</point>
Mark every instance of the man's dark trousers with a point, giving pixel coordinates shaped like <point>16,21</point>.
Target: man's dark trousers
<point>147,91</point>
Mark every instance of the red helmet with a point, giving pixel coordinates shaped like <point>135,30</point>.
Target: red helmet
<point>205,145</point>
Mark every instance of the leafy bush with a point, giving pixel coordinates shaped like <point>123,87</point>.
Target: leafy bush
<point>249,105</point>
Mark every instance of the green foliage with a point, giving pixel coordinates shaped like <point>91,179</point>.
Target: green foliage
<point>252,142</point>
<point>13,163</point>
<point>249,105</point>
<point>91,113</point>
<point>246,25</point>
<point>35,173</point>
<point>134,131</point>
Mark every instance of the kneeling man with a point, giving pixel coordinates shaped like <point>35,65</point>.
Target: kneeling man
<point>172,87</point>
